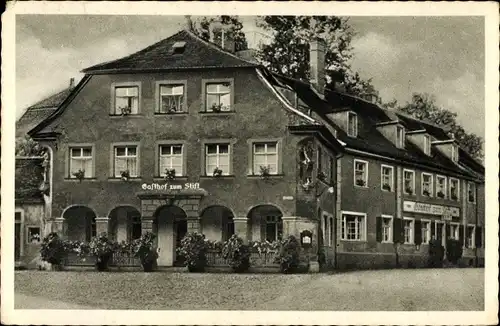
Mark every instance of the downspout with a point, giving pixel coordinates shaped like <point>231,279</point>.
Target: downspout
<point>338,184</point>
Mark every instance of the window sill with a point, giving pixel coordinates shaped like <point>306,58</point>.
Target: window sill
<point>258,176</point>
<point>121,180</point>
<point>351,240</point>
<point>178,178</point>
<point>360,187</point>
<point>78,180</point>
<point>214,114</point>
<point>387,242</point>
<point>171,114</point>
<point>388,191</point>
<point>409,195</point>
<point>209,177</point>
<point>116,116</point>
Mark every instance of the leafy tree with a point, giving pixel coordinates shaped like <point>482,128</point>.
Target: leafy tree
<point>288,52</point>
<point>423,107</point>
<point>28,147</point>
<point>201,27</point>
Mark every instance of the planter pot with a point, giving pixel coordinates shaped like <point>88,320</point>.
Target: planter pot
<point>195,269</point>
<point>56,267</point>
<point>149,266</point>
<point>102,263</point>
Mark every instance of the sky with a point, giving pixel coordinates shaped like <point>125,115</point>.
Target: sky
<point>442,56</point>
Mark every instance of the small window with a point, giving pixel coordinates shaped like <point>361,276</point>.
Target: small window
<point>352,124</point>
<point>427,184</point>
<point>274,228</point>
<point>471,192</point>
<point>426,232</point>
<point>387,178</point>
<point>386,229</point>
<point>34,235</point>
<point>427,145</point>
<point>80,162</point>
<point>126,100</point>
<point>126,161</point>
<point>441,187</point>
<point>400,136</point>
<point>409,229</point>
<point>360,173</point>
<point>265,158</point>
<point>454,189</point>
<point>471,236</point>
<point>217,159</point>
<point>218,97</point>
<point>454,153</point>
<point>454,231</point>
<point>353,226</point>
<point>409,182</point>
<point>172,98</point>
<point>171,158</point>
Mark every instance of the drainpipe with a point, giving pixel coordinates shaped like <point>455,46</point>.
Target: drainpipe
<point>335,217</point>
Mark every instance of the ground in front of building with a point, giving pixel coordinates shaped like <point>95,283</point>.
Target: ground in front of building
<point>384,290</point>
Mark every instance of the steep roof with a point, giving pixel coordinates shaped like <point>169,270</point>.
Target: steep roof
<point>194,53</point>
<point>40,111</point>
<point>28,178</point>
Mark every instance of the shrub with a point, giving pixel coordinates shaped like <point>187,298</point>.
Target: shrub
<point>436,253</point>
<point>194,250</point>
<point>237,253</point>
<point>53,249</point>
<point>102,248</point>
<point>453,250</point>
<point>288,257</point>
<point>143,248</point>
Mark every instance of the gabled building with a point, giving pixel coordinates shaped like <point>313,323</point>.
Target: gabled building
<point>187,135</point>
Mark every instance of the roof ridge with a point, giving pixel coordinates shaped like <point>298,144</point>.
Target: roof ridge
<point>418,120</point>
<point>46,98</point>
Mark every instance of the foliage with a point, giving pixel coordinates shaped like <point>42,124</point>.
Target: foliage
<point>125,175</point>
<point>201,28</point>
<point>423,107</point>
<point>288,51</point>
<point>80,174</point>
<point>101,247</point>
<point>125,110</point>
<point>321,176</point>
<point>170,174</point>
<point>440,194</point>
<point>264,171</point>
<point>264,247</point>
<point>53,249</point>
<point>214,245</point>
<point>453,250</point>
<point>409,190</point>
<point>436,253</point>
<point>144,249</point>
<point>386,186</point>
<point>194,250</point>
<point>288,257</point>
<point>28,147</point>
<point>237,253</point>
<point>217,172</point>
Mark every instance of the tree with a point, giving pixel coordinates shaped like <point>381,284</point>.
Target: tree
<point>423,107</point>
<point>28,147</point>
<point>288,52</point>
<point>201,27</point>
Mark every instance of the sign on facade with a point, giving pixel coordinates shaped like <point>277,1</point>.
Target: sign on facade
<point>287,197</point>
<point>306,238</point>
<point>447,212</point>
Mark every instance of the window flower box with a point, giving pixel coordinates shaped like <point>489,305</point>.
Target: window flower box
<point>219,108</point>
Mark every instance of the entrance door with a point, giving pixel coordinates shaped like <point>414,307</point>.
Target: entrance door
<point>180,229</point>
<point>165,241</point>
<point>17,242</point>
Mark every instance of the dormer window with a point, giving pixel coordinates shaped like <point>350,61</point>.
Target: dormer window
<point>400,136</point>
<point>427,145</point>
<point>178,47</point>
<point>352,124</point>
<point>454,153</point>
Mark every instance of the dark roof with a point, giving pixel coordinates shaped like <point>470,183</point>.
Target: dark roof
<point>415,124</point>
<point>28,179</point>
<point>39,112</point>
<point>197,53</point>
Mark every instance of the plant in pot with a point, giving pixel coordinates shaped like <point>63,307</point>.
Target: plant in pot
<point>360,182</point>
<point>409,190</point>
<point>193,249</point>
<point>288,257</point>
<point>216,107</point>
<point>440,194</point>
<point>264,172</point>
<point>386,187</point>
<point>170,174</point>
<point>144,249</point>
<point>125,175</point>
<point>102,248</point>
<point>453,195</point>
<point>217,172</point>
<point>237,253</point>
<point>80,174</point>
<point>426,192</point>
<point>53,250</point>
<point>126,110</point>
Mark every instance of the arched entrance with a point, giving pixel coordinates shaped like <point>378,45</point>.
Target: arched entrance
<point>266,223</point>
<point>124,223</point>
<point>170,226</point>
<point>79,223</point>
<point>217,223</point>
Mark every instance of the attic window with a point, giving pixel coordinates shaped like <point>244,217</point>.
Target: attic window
<point>400,136</point>
<point>352,124</point>
<point>178,47</point>
<point>454,153</point>
<point>427,145</point>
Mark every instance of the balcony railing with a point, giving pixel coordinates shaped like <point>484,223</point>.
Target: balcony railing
<point>119,260</point>
<point>214,258</point>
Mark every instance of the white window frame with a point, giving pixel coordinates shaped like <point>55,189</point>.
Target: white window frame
<point>343,233</point>
<point>431,186</point>
<point>366,173</point>
<point>136,156</point>
<point>354,133</point>
<point>458,188</point>
<point>445,188</point>
<point>160,96</point>
<point>400,141</point>
<point>115,110</point>
<point>265,154</point>
<point>391,176</point>
<point>331,231</point>
<point>162,171</point>
<point>391,228</point>
<point>473,238</point>
<point>427,145</point>
<point>277,221</point>
<point>428,233</point>
<point>218,93</point>
<point>436,222</point>
<point>83,158</point>
<point>468,191</point>
<point>412,231</point>
<point>454,153</point>
<point>218,155</point>
<point>412,182</point>
<point>455,236</point>
<point>21,231</point>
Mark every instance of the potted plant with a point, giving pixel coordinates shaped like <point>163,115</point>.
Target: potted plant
<point>172,109</point>
<point>102,248</point>
<point>440,194</point>
<point>216,107</point>
<point>426,192</point>
<point>126,110</point>
<point>193,249</point>
<point>53,250</point>
<point>264,172</point>
<point>80,174</point>
<point>321,176</point>
<point>125,175</point>
<point>453,195</point>
<point>386,187</point>
<point>237,253</point>
<point>143,248</point>
<point>288,257</point>
<point>409,190</point>
<point>217,172</point>
<point>360,182</point>
<point>170,174</point>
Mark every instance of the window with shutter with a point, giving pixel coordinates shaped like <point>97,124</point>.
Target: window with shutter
<point>397,236</point>
<point>479,237</point>
<point>461,234</point>
<point>418,232</point>
<point>433,230</point>
<point>379,229</point>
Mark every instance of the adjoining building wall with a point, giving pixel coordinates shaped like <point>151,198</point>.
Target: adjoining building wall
<point>29,231</point>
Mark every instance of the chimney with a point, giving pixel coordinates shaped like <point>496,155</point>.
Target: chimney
<point>317,49</point>
<point>71,82</point>
<point>222,35</point>
<point>336,81</point>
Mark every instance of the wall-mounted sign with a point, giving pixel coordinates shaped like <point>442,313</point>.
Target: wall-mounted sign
<point>447,212</point>
<point>287,197</point>
<point>306,238</point>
